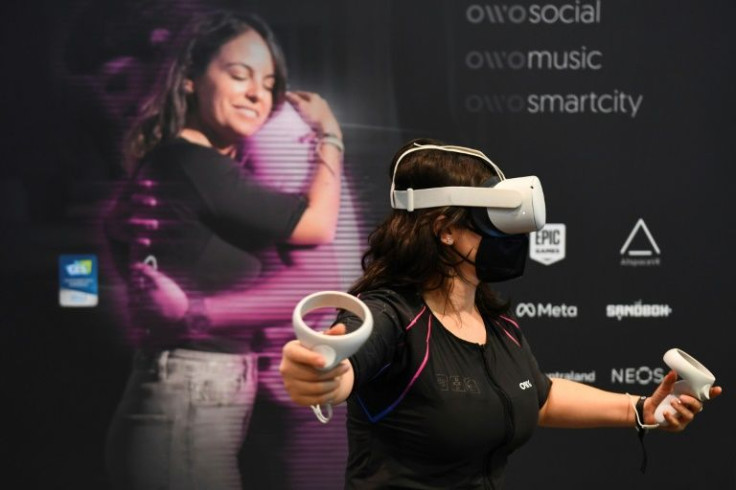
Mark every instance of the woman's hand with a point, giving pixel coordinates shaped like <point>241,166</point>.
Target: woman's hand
<point>303,380</point>
<point>157,295</point>
<point>315,111</point>
<point>686,406</point>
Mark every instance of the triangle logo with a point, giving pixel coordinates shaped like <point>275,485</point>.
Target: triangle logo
<point>640,247</point>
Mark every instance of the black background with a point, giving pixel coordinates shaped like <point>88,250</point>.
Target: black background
<point>393,70</point>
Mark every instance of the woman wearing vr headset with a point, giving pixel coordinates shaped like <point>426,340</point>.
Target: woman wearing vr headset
<point>195,212</point>
<point>447,387</point>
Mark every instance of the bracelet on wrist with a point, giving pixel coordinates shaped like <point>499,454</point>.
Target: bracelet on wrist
<point>639,413</point>
<point>329,134</point>
<point>331,139</point>
<point>641,428</point>
<point>638,407</point>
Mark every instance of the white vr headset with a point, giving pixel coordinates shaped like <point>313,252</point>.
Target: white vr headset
<point>512,206</point>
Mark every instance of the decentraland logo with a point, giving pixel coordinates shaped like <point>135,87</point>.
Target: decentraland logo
<point>582,376</point>
<point>640,248</point>
<point>547,245</point>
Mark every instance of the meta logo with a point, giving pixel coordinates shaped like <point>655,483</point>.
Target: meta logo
<point>547,245</point>
<point>79,268</point>
<point>640,248</point>
<point>637,375</point>
<point>525,385</point>
<point>548,310</point>
<point>569,13</point>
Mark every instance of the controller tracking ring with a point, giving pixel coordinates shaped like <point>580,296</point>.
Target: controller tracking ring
<point>334,348</point>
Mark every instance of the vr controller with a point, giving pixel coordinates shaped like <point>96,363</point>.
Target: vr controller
<point>696,381</point>
<point>334,348</point>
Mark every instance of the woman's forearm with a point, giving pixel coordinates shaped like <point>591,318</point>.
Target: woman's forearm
<point>577,405</point>
<point>319,221</point>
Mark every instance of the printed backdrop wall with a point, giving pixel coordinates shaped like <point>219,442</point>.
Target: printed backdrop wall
<point>623,109</point>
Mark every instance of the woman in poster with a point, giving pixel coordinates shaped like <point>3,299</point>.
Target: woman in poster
<point>195,213</point>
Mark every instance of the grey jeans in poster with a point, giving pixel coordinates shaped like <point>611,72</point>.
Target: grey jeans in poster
<point>181,421</point>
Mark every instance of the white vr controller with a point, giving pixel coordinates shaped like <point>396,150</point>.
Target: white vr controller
<point>696,381</point>
<point>334,348</point>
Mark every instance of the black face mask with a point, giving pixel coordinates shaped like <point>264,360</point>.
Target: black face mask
<point>500,258</point>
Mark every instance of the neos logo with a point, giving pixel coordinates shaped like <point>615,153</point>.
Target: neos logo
<point>643,375</point>
<point>547,310</point>
<point>525,385</point>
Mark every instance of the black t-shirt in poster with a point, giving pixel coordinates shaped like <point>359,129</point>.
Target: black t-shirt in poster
<point>202,216</point>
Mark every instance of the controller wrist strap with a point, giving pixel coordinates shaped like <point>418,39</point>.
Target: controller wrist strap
<point>641,428</point>
<point>317,409</point>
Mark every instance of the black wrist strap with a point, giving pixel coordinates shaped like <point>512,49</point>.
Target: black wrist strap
<point>641,431</point>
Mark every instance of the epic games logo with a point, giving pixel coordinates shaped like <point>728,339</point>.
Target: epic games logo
<point>547,245</point>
